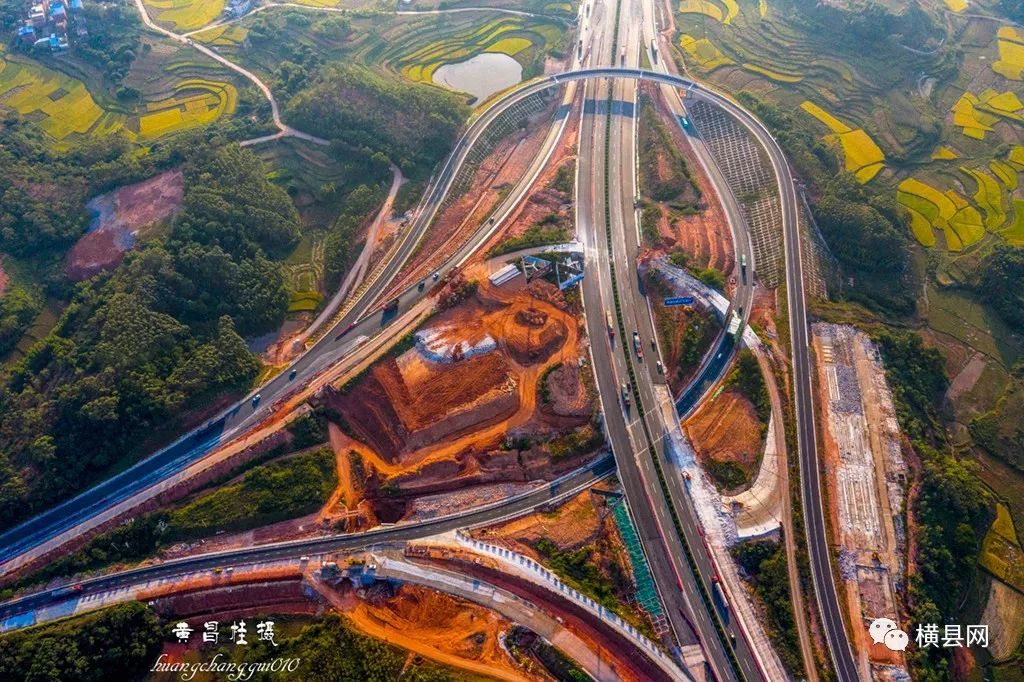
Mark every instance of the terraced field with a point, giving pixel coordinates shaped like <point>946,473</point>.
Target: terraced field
<point>59,105</point>
<point>305,270</point>
<point>948,212</point>
<point>520,38</point>
<point>195,102</point>
<point>723,11</point>
<point>976,114</point>
<point>184,15</point>
<point>862,156</point>
<point>960,111</point>
<point>703,52</point>
<point>232,34</point>
<point>1001,552</point>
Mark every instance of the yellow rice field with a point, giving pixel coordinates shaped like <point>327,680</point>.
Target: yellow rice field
<point>724,13</point>
<point>1016,157</point>
<point>185,15</point>
<point>989,197</point>
<point>703,52</point>
<point>232,34</point>
<point>944,154</point>
<point>1001,553</point>
<point>976,114</point>
<point>949,212</point>
<point>197,102</point>
<point>1005,172</point>
<point>58,104</point>
<point>861,155</point>
<point>1010,43</point>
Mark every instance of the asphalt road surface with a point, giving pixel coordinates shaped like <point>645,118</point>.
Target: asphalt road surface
<point>558,489</point>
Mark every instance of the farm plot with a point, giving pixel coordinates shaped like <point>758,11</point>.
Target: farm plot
<point>304,270</point>
<point>1005,172</point>
<point>976,115</point>
<point>949,212</point>
<point>230,35</point>
<point>195,102</point>
<point>1014,232</point>
<point>862,156</point>
<point>1015,157</point>
<point>703,52</point>
<point>772,74</point>
<point>1010,43</point>
<point>724,10</point>
<point>990,197</point>
<point>185,15</point>
<point>1001,553</point>
<point>522,39</point>
<point>944,153</point>
<point>59,105</point>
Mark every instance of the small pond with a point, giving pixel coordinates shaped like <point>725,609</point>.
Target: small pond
<point>480,76</point>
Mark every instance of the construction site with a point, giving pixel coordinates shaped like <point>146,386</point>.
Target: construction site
<point>702,232</point>
<point>500,160</point>
<point>590,541</point>
<point>491,396</point>
<point>727,438</point>
<point>866,476</point>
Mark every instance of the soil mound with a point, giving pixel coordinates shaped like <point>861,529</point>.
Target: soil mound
<point>531,317</point>
<point>534,336</point>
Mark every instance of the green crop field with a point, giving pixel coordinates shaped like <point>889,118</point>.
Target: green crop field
<point>185,15</point>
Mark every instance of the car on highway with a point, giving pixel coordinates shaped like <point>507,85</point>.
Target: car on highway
<point>256,399</point>
<point>637,346</point>
<point>291,374</point>
<point>625,395</point>
<point>661,367</point>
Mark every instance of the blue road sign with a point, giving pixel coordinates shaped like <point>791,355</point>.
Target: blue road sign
<point>679,300</point>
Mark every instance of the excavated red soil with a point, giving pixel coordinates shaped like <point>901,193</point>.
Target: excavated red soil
<point>628,662</point>
<point>542,199</point>
<point>121,215</point>
<point>726,429</point>
<point>268,597</point>
<point>428,427</point>
<point>567,393</point>
<point>706,235</point>
<point>498,172</point>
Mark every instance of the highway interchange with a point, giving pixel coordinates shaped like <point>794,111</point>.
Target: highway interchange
<point>638,444</point>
